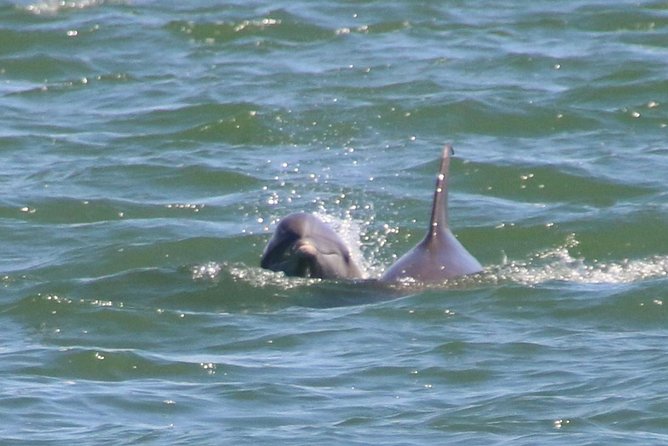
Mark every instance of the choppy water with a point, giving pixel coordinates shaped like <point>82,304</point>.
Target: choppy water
<point>148,148</point>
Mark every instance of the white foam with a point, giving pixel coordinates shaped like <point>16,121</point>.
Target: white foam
<point>55,6</point>
<point>254,276</point>
<point>207,271</point>
<point>557,264</point>
<point>553,264</point>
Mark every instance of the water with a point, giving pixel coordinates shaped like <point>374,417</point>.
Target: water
<point>148,149</point>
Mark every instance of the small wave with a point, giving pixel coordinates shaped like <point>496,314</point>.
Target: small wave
<point>253,276</point>
<point>277,26</point>
<point>550,265</point>
<point>56,6</point>
<point>558,264</point>
<point>276,290</point>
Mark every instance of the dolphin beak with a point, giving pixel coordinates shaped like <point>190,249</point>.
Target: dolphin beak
<point>306,249</point>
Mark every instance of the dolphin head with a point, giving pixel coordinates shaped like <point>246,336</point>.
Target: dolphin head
<point>305,246</point>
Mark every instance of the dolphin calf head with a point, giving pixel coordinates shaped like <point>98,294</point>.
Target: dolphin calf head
<point>439,255</point>
<point>305,246</point>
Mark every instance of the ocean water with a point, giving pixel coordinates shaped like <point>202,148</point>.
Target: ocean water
<point>149,147</point>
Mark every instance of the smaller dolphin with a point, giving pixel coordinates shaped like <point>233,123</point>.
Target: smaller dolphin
<point>439,255</point>
<point>305,246</point>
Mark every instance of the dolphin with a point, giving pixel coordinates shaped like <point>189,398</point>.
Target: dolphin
<point>439,255</point>
<point>305,246</point>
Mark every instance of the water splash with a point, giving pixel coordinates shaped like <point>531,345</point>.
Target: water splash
<point>208,271</point>
<point>558,264</point>
<point>350,230</point>
<point>251,275</point>
<point>549,265</point>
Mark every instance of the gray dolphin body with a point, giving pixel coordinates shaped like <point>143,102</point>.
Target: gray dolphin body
<point>305,246</point>
<point>439,255</point>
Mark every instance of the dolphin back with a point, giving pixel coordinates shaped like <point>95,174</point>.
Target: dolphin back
<point>439,256</point>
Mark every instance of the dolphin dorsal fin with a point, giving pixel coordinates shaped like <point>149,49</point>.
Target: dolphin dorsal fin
<point>439,208</point>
